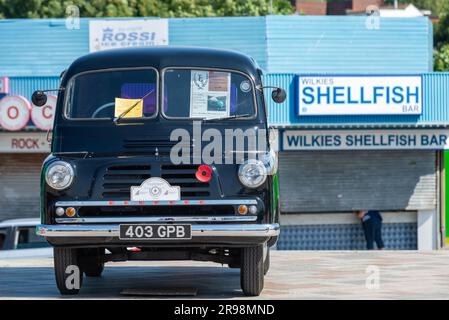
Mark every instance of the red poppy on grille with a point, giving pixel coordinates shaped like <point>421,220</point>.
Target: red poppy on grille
<point>204,173</point>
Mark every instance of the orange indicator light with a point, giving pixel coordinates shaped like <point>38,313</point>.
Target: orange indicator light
<point>242,209</point>
<point>70,212</point>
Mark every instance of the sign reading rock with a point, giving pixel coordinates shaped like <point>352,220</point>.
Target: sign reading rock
<point>24,142</point>
<point>14,112</point>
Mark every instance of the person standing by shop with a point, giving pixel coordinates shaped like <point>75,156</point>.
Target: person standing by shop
<point>372,228</point>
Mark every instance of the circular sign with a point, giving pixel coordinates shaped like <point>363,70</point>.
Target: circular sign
<point>43,116</point>
<point>245,86</point>
<point>14,112</point>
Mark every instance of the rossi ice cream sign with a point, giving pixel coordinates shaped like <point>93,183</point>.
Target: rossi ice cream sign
<point>113,34</point>
<point>359,95</point>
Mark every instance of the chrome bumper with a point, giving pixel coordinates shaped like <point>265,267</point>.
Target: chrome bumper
<point>198,230</point>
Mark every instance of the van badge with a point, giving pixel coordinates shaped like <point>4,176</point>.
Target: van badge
<point>155,188</point>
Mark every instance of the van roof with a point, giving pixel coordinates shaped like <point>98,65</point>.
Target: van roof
<point>161,57</point>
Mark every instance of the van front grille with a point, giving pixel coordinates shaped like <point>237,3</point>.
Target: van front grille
<point>184,176</point>
<point>161,211</point>
<point>118,180</point>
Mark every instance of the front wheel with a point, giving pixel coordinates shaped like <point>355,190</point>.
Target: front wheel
<point>92,263</point>
<point>69,276</point>
<point>266,263</point>
<point>93,269</point>
<point>252,270</point>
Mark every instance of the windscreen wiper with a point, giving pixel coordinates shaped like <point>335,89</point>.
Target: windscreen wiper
<point>124,113</point>
<point>235,116</point>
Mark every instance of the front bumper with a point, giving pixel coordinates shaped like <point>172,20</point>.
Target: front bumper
<point>198,230</point>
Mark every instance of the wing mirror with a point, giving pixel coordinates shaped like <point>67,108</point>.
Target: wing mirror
<point>278,95</point>
<point>39,98</point>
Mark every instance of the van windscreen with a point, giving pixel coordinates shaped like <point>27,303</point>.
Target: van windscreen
<point>106,94</point>
<point>207,94</point>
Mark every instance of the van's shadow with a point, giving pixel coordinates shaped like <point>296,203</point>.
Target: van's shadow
<point>39,282</point>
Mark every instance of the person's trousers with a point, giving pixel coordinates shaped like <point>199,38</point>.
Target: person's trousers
<point>373,233</point>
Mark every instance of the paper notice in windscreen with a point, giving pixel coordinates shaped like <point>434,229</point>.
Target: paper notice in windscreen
<point>121,105</point>
<point>210,94</point>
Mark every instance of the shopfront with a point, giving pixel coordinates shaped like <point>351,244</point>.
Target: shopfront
<point>23,147</point>
<point>363,143</point>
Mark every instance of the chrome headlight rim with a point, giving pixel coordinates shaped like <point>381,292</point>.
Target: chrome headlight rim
<point>261,167</point>
<point>66,165</point>
<point>271,162</point>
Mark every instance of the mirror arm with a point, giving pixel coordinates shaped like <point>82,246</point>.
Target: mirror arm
<point>48,90</point>
<point>260,87</point>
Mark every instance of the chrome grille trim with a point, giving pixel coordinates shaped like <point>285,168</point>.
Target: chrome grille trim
<point>124,203</point>
<point>157,219</point>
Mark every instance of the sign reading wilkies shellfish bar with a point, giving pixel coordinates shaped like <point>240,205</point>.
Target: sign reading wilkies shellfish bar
<point>359,95</point>
<point>397,139</point>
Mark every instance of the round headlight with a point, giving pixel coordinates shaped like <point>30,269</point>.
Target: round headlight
<point>59,175</point>
<point>252,173</point>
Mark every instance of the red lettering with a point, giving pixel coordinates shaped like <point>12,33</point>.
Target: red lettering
<point>34,143</point>
<point>9,113</point>
<point>45,114</point>
<point>27,143</point>
<point>14,143</point>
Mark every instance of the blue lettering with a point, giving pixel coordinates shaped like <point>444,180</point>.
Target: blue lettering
<point>132,36</point>
<point>349,140</point>
<point>413,94</point>
<point>337,141</point>
<point>326,95</point>
<point>339,94</point>
<point>350,101</point>
<point>107,36</point>
<point>307,81</point>
<point>398,96</point>
<point>377,94</point>
<point>120,36</point>
<point>362,96</point>
<point>387,95</point>
<point>310,95</point>
<point>293,140</point>
<point>144,36</point>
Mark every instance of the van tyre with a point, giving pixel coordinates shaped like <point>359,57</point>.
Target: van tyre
<point>252,270</point>
<point>266,263</point>
<point>92,264</point>
<point>69,276</point>
<point>93,268</point>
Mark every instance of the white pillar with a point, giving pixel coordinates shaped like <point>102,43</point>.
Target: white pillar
<point>427,230</point>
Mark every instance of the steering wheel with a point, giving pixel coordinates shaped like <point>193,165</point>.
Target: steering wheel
<point>104,106</point>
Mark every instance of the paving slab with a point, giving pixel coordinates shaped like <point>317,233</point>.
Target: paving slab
<point>293,275</point>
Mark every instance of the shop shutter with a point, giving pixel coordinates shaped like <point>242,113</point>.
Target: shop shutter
<point>20,185</point>
<point>351,180</point>
<point>396,236</point>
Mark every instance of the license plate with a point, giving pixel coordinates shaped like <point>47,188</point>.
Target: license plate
<point>155,231</point>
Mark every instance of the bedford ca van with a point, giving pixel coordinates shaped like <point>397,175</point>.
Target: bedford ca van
<point>160,154</point>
